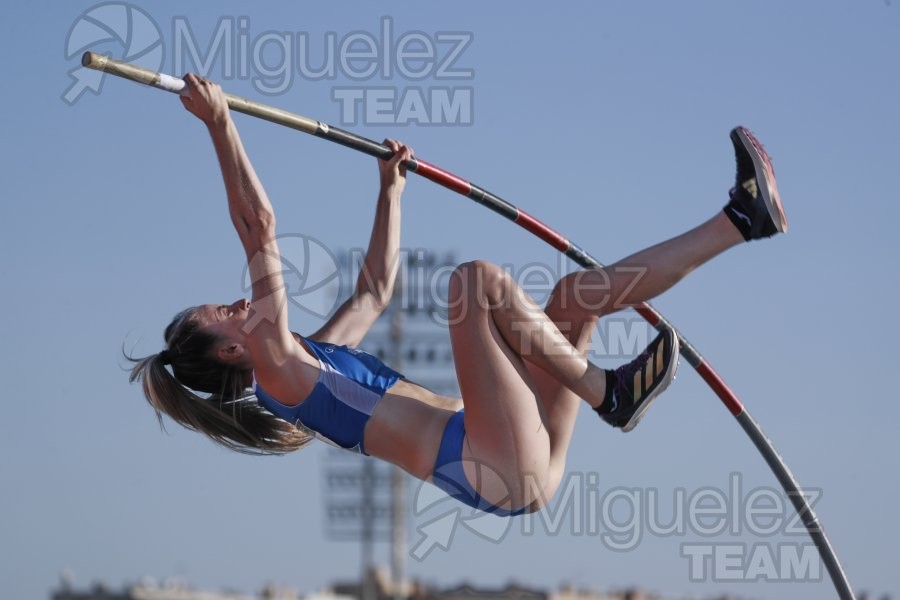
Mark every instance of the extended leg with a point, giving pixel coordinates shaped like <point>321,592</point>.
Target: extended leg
<point>648,273</point>
<point>753,212</point>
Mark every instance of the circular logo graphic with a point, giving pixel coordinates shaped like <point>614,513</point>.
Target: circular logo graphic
<point>312,276</point>
<point>117,29</point>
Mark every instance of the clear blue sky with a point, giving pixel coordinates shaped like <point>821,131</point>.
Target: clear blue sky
<point>607,120</point>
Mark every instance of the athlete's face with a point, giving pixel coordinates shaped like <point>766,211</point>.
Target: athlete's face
<point>226,322</point>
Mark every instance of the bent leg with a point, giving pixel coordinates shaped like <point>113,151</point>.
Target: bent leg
<point>561,404</point>
<point>497,331</point>
<point>495,328</point>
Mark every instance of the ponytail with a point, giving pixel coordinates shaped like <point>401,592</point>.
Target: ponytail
<point>228,412</point>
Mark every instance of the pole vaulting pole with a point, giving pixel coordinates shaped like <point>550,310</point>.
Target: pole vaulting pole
<point>519,217</point>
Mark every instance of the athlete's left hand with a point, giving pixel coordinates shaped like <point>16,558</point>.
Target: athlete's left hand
<point>393,173</point>
<point>205,100</point>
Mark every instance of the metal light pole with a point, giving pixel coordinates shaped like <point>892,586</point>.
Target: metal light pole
<point>398,479</point>
<point>367,501</point>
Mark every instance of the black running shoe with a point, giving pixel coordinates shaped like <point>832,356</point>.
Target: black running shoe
<point>755,207</point>
<point>639,382</point>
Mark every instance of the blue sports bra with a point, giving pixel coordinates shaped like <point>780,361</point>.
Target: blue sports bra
<point>350,385</point>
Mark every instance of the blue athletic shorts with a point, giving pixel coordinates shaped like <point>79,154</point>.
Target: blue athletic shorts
<point>450,477</point>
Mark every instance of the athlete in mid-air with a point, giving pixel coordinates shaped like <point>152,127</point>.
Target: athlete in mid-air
<point>237,373</point>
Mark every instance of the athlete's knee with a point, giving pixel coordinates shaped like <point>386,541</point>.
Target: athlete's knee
<point>477,278</point>
<point>568,305</point>
<point>584,293</point>
<point>479,269</point>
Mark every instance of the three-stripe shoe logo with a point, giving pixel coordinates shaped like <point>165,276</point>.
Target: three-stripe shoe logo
<point>751,187</point>
<point>645,376</point>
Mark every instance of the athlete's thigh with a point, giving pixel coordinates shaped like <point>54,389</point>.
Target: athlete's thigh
<point>503,420</point>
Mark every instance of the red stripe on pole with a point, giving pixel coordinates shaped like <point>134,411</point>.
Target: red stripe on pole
<point>442,177</point>
<point>647,311</point>
<point>731,401</point>
<point>542,231</point>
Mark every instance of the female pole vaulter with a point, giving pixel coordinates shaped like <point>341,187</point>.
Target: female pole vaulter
<point>236,373</point>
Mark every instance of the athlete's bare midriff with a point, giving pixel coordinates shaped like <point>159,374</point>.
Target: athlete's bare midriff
<point>407,425</point>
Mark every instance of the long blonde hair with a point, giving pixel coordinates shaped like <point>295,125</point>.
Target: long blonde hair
<point>228,412</point>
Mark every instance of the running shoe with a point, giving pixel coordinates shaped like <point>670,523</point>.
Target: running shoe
<point>639,382</point>
<point>755,207</point>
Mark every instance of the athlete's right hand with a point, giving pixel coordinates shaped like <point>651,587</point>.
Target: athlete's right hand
<point>393,173</point>
<point>205,100</point>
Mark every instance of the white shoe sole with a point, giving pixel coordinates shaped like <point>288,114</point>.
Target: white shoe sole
<point>769,188</point>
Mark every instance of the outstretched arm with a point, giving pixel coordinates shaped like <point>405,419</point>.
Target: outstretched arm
<point>375,284</point>
<point>253,218</point>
